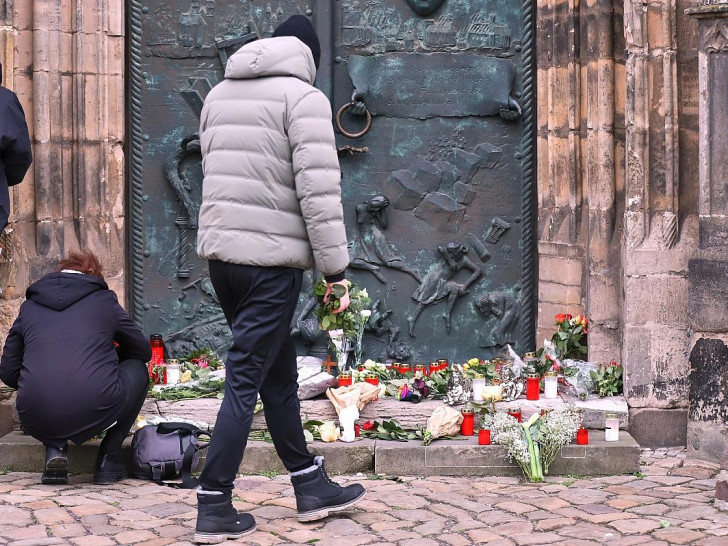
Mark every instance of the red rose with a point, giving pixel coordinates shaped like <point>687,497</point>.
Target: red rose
<point>568,316</point>
<point>560,318</point>
<point>613,363</point>
<point>368,425</point>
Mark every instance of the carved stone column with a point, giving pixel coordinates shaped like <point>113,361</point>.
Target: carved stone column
<point>65,59</point>
<point>708,272</point>
<point>656,246</point>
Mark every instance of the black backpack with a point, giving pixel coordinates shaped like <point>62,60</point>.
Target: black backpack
<point>167,451</point>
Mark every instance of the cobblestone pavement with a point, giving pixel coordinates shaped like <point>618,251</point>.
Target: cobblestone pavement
<point>669,502</point>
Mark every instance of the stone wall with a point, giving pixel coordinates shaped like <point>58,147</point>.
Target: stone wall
<point>65,59</point>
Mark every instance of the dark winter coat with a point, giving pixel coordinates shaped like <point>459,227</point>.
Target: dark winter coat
<point>59,354</point>
<point>15,154</point>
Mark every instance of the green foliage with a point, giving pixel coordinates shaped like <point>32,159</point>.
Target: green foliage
<point>391,430</point>
<point>607,379</point>
<point>209,387</point>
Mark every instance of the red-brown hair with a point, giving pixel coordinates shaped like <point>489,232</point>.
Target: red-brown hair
<point>84,261</point>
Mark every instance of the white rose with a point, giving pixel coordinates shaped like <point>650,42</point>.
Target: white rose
<point>364,293</point>
<point>329,432</point>
<point>366,313</point>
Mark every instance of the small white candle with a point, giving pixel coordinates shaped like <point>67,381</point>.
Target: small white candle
<point>611,430</point>
<point>550,385</point>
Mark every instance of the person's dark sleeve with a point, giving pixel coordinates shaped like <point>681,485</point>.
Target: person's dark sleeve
<point>12,360</point>
<point>131,340</point>
<point>15,151</point>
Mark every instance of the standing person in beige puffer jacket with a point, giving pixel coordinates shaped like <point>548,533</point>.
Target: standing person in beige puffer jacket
<point>271,208</point>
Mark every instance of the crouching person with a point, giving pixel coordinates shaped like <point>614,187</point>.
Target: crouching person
<point>73,384</point>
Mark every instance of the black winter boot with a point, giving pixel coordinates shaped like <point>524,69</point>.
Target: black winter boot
<point>111,468</point>
<point>317,495</point>
<point>56,466</point>
<point>218,521</point>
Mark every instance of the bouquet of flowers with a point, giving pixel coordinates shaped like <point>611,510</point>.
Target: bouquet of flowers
<point>535,443</point>
<point>348,326</point>
<point>570,339</point>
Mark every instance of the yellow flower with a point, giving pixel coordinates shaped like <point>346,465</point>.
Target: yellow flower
<point>473,361</point>
<point>185,377</point>
<point>466,366</point>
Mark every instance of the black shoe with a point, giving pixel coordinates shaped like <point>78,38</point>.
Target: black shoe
<point>110,468</point>
<point>317,495</point>
<point>218,521</point>
<point>56,466</point>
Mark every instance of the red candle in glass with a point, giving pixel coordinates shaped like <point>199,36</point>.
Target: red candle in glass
<point>467,428</point>
<point>344,379</point>
<point>515,412</point>
<point>357,430</point>
<point>155,340</point>
<point>420,368</point>
<point>360,368</point>
<point>533,381</point>
<point>484,437</point>
<point>372,379</point>
<point>442,364</point>
<point>582,436</point>
<point>404,368</point>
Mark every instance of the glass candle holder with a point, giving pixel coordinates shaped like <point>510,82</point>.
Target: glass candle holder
<point>372,379</point>
<point>404,368</point>
<point>516,413</point>
<point>533,381</point>
<point>442,364</point>
<point>467,428</point>
<point>582,437</point>
<point>344,379</point>
<point>611,427</point>
<point>155,340</point>
<point>484,437</point>
<point>173,374</point>
<point>478,384</point>
<point>420,368</point>
<point>551,385</point>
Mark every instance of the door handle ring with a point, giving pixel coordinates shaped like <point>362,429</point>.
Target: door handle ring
<point>346,133</point>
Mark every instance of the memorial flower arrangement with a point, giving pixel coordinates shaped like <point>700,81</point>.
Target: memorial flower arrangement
<point>607,379</point>
<point>534,444</point>
<point>570,338</point>
<point>347,327</point>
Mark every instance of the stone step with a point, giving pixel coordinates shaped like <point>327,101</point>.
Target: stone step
<point>456,457</point>
<point>408,414</point>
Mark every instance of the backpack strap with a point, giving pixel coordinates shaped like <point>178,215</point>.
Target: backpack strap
<point>186,431</point>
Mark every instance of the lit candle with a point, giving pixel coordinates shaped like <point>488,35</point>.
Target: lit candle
<point>484,437</point>
<point>582,436</point>
<point>420,368</point>
<point>467,428</point>
<point>344,379</point>
<point>478,385</point>
<point>372,379</point>
<point>551,382</point>
<point>173,371</point>
<point>515,412</point>
<point>404,368</point>
<point>611,427</point>
<point>533,381</point>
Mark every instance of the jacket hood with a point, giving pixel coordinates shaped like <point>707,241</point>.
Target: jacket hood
<point>60,290</point>
<point>280,56</point>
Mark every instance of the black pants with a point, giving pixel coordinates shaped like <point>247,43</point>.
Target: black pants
<point>134,375</point>
<point>259,303</point>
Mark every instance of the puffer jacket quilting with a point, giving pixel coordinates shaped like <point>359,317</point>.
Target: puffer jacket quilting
<point>271,194</point>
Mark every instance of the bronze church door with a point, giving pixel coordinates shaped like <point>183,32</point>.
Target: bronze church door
<point>433,106</point>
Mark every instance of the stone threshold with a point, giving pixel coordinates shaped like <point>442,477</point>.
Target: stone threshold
<point>456,457</point>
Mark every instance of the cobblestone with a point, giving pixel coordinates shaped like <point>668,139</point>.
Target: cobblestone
<point>669,502</point>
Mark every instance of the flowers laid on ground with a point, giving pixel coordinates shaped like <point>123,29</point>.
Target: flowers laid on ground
<point>533,445</point>
<point>389,430</point>
<point>607,379</point>
<point>202,375</point>
<point>329,431</point>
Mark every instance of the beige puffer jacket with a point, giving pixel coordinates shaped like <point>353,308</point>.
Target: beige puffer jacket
<point>271,194</point>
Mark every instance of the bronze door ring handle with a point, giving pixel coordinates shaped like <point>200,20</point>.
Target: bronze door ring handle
<point>346,133</point>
